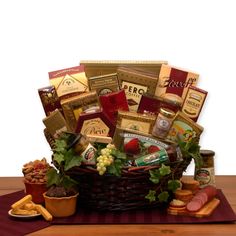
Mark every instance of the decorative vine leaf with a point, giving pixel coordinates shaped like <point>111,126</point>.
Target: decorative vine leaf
<point>52,177</point>
<point>164,170</point>
<point>115,168</point>
<point>119,160</point>
<point>191,149</point>
<point>151,196</point>
<point>72,161</point>
<point>163,196</point>
<point>60,145</point>
<point>68,182</point>
<point>173,185</point>
<point>117,154</point>
<point>58,157</point>
<point>154,176</point>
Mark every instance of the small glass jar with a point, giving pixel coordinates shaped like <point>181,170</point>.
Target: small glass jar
<point>205,174</point>
<point>163,123</point>
<point>84,148</point>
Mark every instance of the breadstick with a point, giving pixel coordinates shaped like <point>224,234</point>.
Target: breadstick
<point>24,212</point>
<point>22,202</point>
<point>44,212</point>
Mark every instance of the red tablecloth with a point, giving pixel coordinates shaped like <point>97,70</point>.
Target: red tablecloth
<point>11,226</point>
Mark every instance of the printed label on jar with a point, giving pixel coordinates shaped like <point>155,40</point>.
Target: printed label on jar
<point>88,155</point>
<point>205,176</point>
<point>163,124</point>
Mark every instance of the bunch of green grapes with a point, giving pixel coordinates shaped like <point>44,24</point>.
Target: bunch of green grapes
<point>105,159</point>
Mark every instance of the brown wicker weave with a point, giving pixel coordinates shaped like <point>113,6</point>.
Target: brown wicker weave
<point>127,192</point>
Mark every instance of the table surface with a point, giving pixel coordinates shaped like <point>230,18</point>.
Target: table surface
<point>226,183</point>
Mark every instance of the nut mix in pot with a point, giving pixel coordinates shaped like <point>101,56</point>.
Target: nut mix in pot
<point>35,171</point>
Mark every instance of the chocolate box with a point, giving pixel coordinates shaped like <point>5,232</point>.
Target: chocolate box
<point>95,123</point>
<point>69,82</point>
<point>152,104</point>
<point>174,80</point>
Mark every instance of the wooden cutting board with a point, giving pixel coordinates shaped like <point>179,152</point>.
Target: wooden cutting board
<point>205,211</point>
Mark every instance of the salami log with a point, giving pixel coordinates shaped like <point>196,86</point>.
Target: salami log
<point>202,197</point>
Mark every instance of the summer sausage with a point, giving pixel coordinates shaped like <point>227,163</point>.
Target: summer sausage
<point>202,197</point>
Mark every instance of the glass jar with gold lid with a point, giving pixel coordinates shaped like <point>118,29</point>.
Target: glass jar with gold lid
<point>205,174</point>
<point>163,123</point>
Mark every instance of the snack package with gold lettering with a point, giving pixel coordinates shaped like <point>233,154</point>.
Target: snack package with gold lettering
<point>194,102</point>
<point>183,128</point>
<point>135,83</point>
<point>95,123</point>
<point>174,80</point>
<point>104,84</point>
<point>74,106</point>
<point>136,121</point>
<point>69,82</point>
<point>56,123</point>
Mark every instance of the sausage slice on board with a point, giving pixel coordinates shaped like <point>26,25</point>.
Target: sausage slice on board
<point>201,198</point>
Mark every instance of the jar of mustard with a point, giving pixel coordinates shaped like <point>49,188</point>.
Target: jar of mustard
<point>205,174</point>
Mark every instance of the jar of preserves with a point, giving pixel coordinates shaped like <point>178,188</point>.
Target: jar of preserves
<point>205,174</point>
<point>163,123</point>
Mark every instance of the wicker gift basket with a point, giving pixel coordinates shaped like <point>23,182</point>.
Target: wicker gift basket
<point>124,192</point>
<point>135,186</point>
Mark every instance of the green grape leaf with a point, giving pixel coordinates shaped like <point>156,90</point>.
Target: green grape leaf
<point>68,182</point>
<point>191,148</point>
<point>71,160</point>
<point>154,176</point>
<point>52,177</point>
<point>154,180</point>
<point>61,145</point>
<point>163,196</point>
<point>115,168</point>
<point>173,185</point>
<point>151,196</point>
<point>164,170</point>
<point>58,157</point>
<point>118,155</point>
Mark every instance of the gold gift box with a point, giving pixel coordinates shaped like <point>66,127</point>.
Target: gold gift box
<point>104,84</point>
<point>94,68</point>
<point>72,107</point>
<point>142,123</point>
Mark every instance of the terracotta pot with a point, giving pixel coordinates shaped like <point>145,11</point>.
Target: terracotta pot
<point>61,206</point>
<point>36,190</point>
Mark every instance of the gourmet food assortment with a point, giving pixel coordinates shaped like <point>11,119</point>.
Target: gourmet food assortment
<point>122,133</point>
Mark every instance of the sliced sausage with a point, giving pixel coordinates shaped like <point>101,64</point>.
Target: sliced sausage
<point>194,205</point>
<point>203,196</point>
